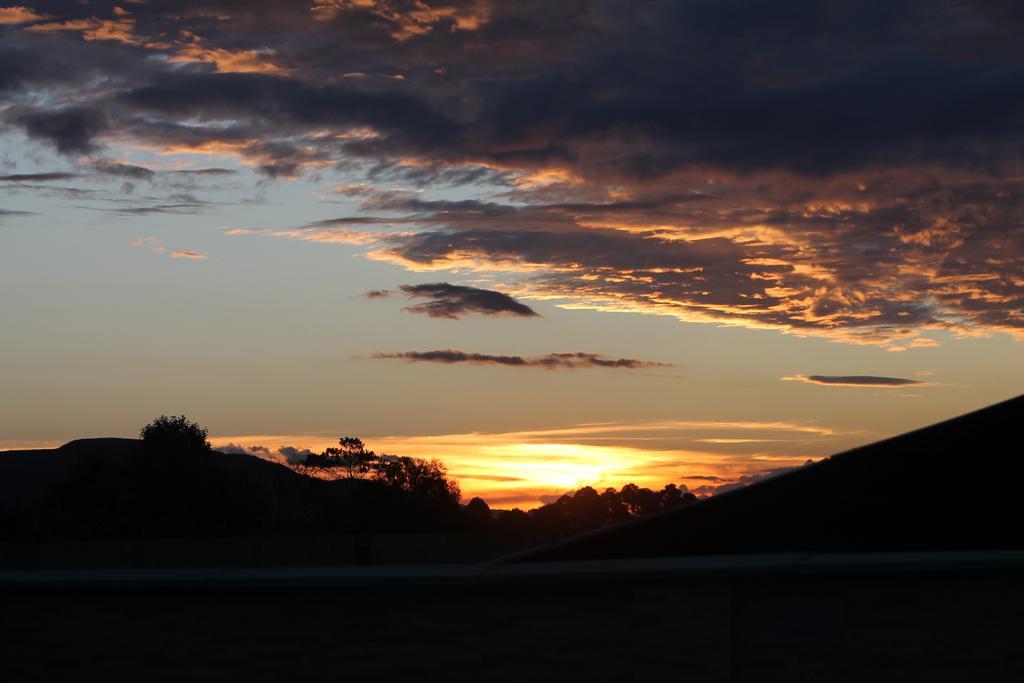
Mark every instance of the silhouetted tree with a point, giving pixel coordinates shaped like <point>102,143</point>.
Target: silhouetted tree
<point>514,521</point>
<point>428,479</point>
<point>616,511</point>
<point>586,510</point>
<point>479,513</point>
<point>671,496</point>
<point>174,434</point>
<point>349,457</point>
<point>640,501</point>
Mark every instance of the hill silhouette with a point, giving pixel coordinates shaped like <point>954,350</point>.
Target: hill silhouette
<point>955,485</point>
<point>109,488</point>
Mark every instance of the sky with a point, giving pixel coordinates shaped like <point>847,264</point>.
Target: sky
<point>551,244</point>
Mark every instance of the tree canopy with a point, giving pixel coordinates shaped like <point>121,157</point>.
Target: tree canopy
<point>351,460</point>
<point>174,434</point>
<point>350,456</point>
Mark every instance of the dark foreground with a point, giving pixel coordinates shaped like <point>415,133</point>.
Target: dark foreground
<point>910,617</point>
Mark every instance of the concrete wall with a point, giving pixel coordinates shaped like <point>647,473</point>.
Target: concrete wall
<point>731,621</point>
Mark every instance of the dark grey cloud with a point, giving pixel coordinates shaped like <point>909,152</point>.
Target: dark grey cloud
<point>212,171</point>
<point>855,380</point>
<point>377,294</point>
<point>146,210</point>
<point>36,177</point>
<point>270,106</point>
<point>551,361</point>
<point>113,168</point>
<point>594,85</point>
<point>745,480</point>
<point>453,301</point>
<point>294,456</point>
<point>71,131</point>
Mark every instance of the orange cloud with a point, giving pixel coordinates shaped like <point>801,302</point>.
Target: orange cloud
<point>18,14</point>
<point>408,20</point>
<point>120,30</point>
<point>326,235</point>
<point>225,61</point>
<point>186,254</point>
<point>872,381</point>
<point>151,243</point>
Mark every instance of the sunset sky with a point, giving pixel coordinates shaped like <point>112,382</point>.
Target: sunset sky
<point>550,243</point>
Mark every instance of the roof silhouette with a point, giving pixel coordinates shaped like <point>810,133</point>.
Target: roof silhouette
<point>955,485</point>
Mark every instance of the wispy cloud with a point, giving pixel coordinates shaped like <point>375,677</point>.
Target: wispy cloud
<point>854,381</point>
<point>122,170</point>
<point>212,171</point>
<point>551,361</point>
<point>36,177</point>
<point>186,254</point>
<point>151,243</point>
<point>180,207</point>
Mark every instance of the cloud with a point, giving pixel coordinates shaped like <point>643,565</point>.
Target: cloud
<point>114,168</point>
<point>377,294</point>
<point>212,171</point>
<point>232,448</point>
<point>223,60</point>
<point>288,455</point>
<point>740,482</point>
<point>18,15</point>
<point>150,243</point>
<point>551,361</point>
<point>862,184</point>
<point>453,301</point>
<point>616,90</point>
<point>178,207</point>
<point>294,456</point>
<point>36,177</point>
<point>186,254</point>
<point>71,130</point>
<point>153,244</point>
<point>855,381</point>
<point>120,28</point>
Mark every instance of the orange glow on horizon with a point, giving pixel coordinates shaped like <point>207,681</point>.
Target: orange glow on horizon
<point>529,468</point>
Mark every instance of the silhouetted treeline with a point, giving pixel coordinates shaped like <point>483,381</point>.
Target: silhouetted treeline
<point>580,511</point>
<point>350,460</point>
